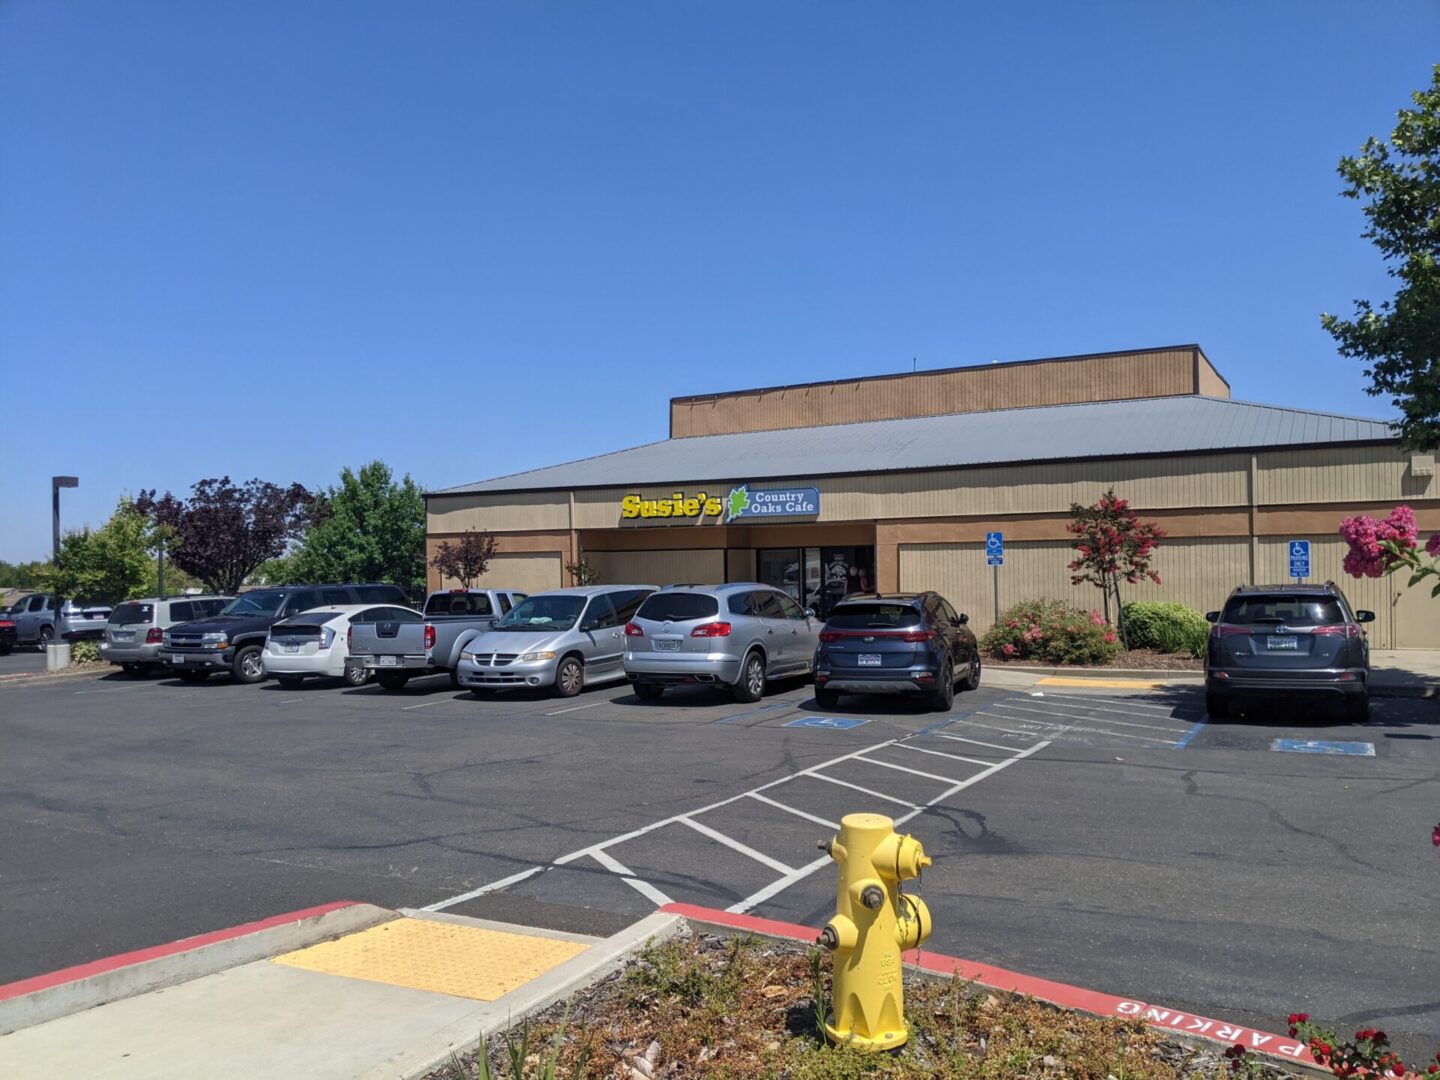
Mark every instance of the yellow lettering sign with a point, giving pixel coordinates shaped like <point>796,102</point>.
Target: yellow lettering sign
<point>677,505</point>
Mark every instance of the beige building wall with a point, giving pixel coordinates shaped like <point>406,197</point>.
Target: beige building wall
<point>658,567</point>
<point>524,573</point>
<point>980,388</point>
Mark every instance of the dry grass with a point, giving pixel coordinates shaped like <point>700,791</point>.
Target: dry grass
<point>745,1009</point>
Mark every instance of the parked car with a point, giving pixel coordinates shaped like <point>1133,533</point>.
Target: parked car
<point>8,635</point>
<point>738,635</point>
<point>400,650</point>
<point>233,640</point>
<point>1298,641</point>
<point>36,622</point>
<point>135,633</point>
<point>317,642</point>
<point>896,643</point>
<point>567,640</point>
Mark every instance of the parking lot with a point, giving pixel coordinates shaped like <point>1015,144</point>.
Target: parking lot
<point>1113,839</point>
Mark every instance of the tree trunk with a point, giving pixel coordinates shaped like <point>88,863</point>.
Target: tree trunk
<point>1120,616</point>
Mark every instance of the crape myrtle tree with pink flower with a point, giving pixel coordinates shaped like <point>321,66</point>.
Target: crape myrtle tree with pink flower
<point>1112,545</point>
<point>1380,548</point>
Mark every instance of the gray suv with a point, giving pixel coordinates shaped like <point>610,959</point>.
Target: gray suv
<point>737,635</point>
<point>135,633</point>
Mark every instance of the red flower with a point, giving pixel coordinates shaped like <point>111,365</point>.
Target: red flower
<point>1435,842</point>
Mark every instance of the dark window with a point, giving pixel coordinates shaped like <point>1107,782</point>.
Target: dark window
<point>380,594</point>
<point>789,609</point>
<point>385,614</point>
<point>459,604</point>
<point>627,603</point>
<point>678,607</point>
<point>205,608</point>
<point>504,603</point>
<point>553,612</point>
<point>184,611</point>
<point>302,601</point>
<point>133,613</point>
<point>255,603</point>
<point>1275,609</point>
<point>337,596</point>
<point>599,615</point>
<point>947,611</point>
<point>768,605</point>
<point>873,616</point>
<point>37,602</point>
<point>742,604</point>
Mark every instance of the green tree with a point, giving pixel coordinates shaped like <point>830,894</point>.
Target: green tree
<point>1400,340</point>
<point>371,528</point>
<point>20,575</point>
<point>108,565</point>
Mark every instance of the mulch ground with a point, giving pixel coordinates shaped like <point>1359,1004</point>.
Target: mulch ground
<point>745,1008</point>
<point>1132,660</point>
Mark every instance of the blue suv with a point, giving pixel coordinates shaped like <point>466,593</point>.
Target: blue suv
<point>896,643</point>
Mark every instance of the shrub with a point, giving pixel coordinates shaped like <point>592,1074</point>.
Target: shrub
<point>1052,631</point>
<point>1167,627</point>
<point>82,652</point>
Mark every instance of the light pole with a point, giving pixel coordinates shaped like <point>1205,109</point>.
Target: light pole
<point>56,483</point>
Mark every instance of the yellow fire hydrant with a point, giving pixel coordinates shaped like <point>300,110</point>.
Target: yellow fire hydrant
<point>874,923</point>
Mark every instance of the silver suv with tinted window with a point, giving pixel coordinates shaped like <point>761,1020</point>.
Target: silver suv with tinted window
<point>135,633</point>
<point>738,635</point>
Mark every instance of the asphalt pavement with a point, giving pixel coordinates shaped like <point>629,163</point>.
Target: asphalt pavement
<point>22,660</point>
<point>1107,838</point>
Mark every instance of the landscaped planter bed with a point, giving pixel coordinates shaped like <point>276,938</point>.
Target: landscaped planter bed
<point>742,1008</point>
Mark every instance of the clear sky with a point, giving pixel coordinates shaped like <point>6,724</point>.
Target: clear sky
<point>276,238</point>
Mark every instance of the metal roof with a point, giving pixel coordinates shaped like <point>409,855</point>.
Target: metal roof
<point>1149,426</point>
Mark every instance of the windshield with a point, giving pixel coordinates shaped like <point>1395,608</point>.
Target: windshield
<point>873,616</point>
<point>543,613</point>
<point>255,603</point>
<point>678,607</point>
<point>1290,610</point>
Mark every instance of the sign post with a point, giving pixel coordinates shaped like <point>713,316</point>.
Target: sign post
<point>995,557</point>
<point>1299,559</point>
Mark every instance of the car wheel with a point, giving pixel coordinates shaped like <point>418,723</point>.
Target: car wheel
<point>569,677</point>
<point>289,682</point>
<point>193,677</point>
<point>356,676</point>
<point>943,697</point>
<point>455,678</point>
<point>827,699</point>
<point>751,686</point>
<point>1357,708</point>
<point>972,677</point>
<point>45,635</point>
<point>247,666</point>
<point>646,691</point>
<point>392,680</point>
<point>1217,706</point>
<point>135,671</point>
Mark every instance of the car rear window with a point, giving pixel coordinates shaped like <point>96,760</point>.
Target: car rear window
<point>133,613</point>
<point>458,604</point>
<point>873,616</point>
<point>1278,608</point>
<point>678,607</point>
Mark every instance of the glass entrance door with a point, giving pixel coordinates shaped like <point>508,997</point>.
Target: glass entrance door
<point>817,577</point>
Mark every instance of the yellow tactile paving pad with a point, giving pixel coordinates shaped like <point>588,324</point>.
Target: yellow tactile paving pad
<point>1105,684</point>
<point>464,961</point>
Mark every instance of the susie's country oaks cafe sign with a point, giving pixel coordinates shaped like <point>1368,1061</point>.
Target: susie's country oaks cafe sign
<point>743,503</point>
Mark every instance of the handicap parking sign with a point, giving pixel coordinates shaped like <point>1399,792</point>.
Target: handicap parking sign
<point>995,549</point>
<point>1299,558</point>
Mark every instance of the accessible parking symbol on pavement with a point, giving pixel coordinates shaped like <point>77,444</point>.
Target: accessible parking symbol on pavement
<point>1322,746</point>
<point>839,723</point>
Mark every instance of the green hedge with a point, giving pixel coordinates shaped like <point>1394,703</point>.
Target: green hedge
<point>1053,632</point>
<point>1166,627</point>
<point>83,651</point>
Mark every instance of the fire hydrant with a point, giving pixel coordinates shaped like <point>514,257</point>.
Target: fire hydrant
<point>874,924</point>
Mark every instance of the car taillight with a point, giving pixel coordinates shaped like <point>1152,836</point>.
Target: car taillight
<point>828,636</point>
<point>349,638</point>
<point>1346,630</point>
<point>631,630</point>
<point>1219,631</point>
<point>917,635</point>
<point>712,629</point>
<point>7,624</point>
<point>429,636</point>
<point>154,636</point>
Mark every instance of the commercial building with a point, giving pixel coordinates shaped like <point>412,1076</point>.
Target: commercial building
<point>893,482</point>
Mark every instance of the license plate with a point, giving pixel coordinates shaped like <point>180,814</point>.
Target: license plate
<point>1290,644</point>
<point>388,661</point>
<point>661,645</point>
<point>869,659</point>
<point>122,635</point>
<point>290,648</point>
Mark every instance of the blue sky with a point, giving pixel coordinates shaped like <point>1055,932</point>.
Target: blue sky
<point>274,239</point>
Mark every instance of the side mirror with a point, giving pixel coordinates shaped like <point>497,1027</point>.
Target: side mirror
<point>1364,616</point>
<point>810,613</point>
<point>963,620</point>
<point>1212,616</point>
<point>589,626</point>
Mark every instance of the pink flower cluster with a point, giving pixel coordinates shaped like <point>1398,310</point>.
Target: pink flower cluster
<point>1432,546</point>
<point>1033,634</point>
<point>1008,649</point>
<point>1366,537</point>
<point>1096,619</point>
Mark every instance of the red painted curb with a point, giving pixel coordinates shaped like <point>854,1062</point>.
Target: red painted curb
<point>112,963</point>
<point>1056,993</point>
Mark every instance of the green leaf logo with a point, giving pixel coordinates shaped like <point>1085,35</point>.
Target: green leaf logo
<point>739,502</point>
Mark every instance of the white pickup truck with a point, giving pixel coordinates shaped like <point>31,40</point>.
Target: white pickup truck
<point>426,645</point>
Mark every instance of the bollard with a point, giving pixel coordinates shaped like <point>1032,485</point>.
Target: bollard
<point>57,656</point>
<point>874,924</point>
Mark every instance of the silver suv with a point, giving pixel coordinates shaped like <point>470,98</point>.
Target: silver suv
<point>567,639</point>
<point>135,633</point>
<point>738,635</point>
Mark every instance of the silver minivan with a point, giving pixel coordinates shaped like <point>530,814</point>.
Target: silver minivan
<point>135,632</point>
<point>567,639</point>
<point>738,635</point>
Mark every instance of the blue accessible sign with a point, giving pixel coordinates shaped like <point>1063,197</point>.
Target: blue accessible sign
<point>994,549</point>
<point>1299,558</point>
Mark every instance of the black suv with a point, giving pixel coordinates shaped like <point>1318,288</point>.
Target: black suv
<point>1288,641</point>
<point>232,641</point>
<point>895,643</point>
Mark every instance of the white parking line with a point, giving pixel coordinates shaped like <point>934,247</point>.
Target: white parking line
<point>494,886</point>
<point>975,742</point>
<point>577,708</point>
<point>1114,701</point>
<point>614,865</point>
<point>905,769</point>
<point>427,704</point>
<point>941,753</point>
<point>650,892</point>
<point>1095,719</point>
<point>791,810</point>
<point>862,790</point>
<point>736,845</point>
